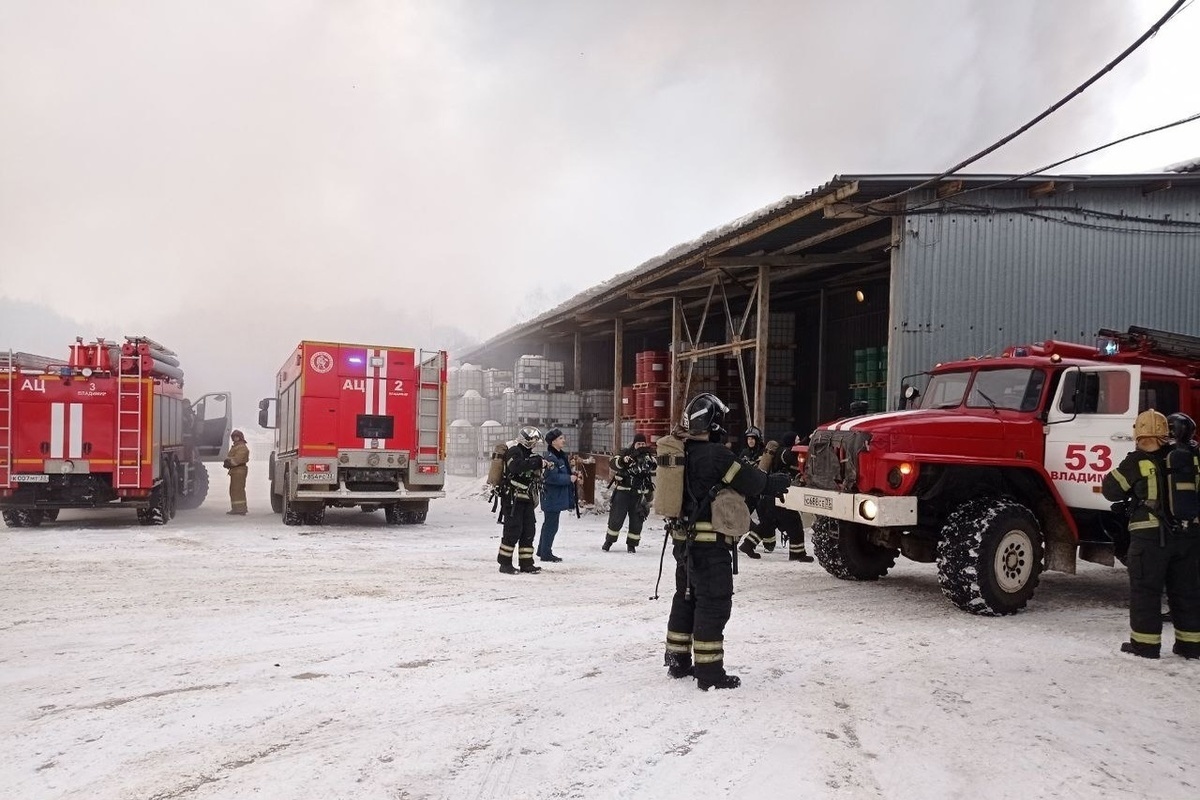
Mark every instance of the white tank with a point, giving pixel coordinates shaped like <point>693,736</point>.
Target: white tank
<point>473,407</point>
<point>462,448</point>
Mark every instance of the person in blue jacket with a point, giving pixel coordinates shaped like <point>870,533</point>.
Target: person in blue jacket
<point>557,496</point>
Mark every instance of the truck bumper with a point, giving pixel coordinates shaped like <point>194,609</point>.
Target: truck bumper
<point>865,509</point>
<point>342,494</point>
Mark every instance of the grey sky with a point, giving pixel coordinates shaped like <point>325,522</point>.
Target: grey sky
<point>230,177</point>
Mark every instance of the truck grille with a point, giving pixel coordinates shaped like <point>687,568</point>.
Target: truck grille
<point>833,459</point>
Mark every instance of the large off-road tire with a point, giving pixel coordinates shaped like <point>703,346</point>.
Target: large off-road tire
<point>291,514</point>
<point>24,518</point>
<point>276,499</point>
<point>199,489</point>
<point>843,550</point>
<point>158,511</point>
<point>990,556</point>
<point>413,512</point>
<point>171,487</point>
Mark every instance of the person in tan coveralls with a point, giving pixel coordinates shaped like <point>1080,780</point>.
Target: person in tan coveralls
<point>239,456</point>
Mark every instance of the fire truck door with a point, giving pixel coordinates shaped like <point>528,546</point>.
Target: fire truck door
<point>1090,430</point>
<point>211,422</point>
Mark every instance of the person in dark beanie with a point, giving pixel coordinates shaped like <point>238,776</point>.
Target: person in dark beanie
<point>556,499</point>
<point>633,483</point>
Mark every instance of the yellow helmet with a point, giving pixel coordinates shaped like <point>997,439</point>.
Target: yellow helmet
<point>1150,425</point>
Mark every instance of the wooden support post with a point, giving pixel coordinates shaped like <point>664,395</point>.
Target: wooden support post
<point>761,352</point>
<point>821,358</point>
<point>578,382</point>
<point>677,388</point>
<point>618,379</point>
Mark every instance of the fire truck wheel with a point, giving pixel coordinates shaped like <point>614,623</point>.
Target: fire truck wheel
<point>316,517</point>
<point>276,498</point>
<point>199,489</point>
<point>990,556</point>
<point>50,515</point>
<point>171,487</point>
<point>845,552</point>
<point>391,514</point>
<point>157,512</point>
<point>18,518</point>
<point>291,514</point>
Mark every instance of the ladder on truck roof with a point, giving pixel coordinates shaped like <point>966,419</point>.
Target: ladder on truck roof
<point>6,420</point>
<point>429,405</point>
<point>130,401</point>
<point>1160,343</point>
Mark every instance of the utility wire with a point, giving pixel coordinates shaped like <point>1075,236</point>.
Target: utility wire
<point>1171,12</point>
<point>1058,163</point>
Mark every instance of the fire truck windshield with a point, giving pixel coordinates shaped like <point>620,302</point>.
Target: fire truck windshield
<point>1015,389</point>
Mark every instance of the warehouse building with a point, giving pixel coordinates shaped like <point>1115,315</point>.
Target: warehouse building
<point>865,280</point>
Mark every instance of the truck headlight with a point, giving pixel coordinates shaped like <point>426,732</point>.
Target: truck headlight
<point>868,508</point>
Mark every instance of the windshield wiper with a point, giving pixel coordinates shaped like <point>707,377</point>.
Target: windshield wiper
<point>989,400</point>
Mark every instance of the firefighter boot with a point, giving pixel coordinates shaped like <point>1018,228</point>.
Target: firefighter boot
<point>610,539</point>
<point>679,665</point>
<point>1186,649</point>
<point>631,547</point>
<point>722,681</point>
<point>531,568</point>
<point>507,569</point>
<point>1140,649</point>
<point>800,556</point>
<point>747,547</point>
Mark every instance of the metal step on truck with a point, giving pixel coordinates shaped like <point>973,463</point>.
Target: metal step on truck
<point>106,427</point>
<point>993,470</point>
<point>357,425</point>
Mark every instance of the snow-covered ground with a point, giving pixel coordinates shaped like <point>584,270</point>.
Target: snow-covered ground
<point>224,657</point>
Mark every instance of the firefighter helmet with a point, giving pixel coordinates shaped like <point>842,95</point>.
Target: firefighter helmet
<point>1150,425</point>
<point>755,432</point>
<point>529,436</point>
<point>1182,427</point>
<point>704,414</point>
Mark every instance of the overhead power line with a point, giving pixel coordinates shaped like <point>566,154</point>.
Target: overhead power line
<point>1171,12</point>
<point>1059,163</point>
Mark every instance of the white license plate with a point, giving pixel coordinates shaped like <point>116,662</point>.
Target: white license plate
<point>29,477</point>
<point>816,501</point>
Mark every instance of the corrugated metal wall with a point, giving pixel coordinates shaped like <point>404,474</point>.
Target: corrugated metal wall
<point>965,285</point>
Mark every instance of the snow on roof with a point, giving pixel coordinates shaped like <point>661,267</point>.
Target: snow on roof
<point>1192,165</point>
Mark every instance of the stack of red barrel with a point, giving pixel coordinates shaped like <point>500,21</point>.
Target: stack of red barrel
<point>652,392</point>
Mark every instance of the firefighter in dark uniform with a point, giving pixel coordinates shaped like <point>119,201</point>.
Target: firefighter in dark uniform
<point>633,478</point>
<point>763,531</point>
<point>239,457</point>
<point>772,516</point>
<point>522,480</point>
<point>703,553</point>
<point>754,446</point>
<point>1163,548</point>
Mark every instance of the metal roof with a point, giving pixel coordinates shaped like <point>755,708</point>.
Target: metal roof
<point>817,236</point>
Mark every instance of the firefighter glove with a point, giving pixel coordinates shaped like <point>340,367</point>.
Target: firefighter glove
<point>777,484</point>
<point>227,463</point>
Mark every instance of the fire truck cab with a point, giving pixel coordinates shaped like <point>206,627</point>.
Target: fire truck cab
<point>109,426</point>
<point>357,425</point>
<point>994,470</point>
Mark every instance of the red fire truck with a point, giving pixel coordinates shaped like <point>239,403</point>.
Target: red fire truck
<point>994,471</point>
<point>357,425</point>
<point>106,427</point>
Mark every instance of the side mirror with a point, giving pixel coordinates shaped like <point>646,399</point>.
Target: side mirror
<point>264,412</point>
